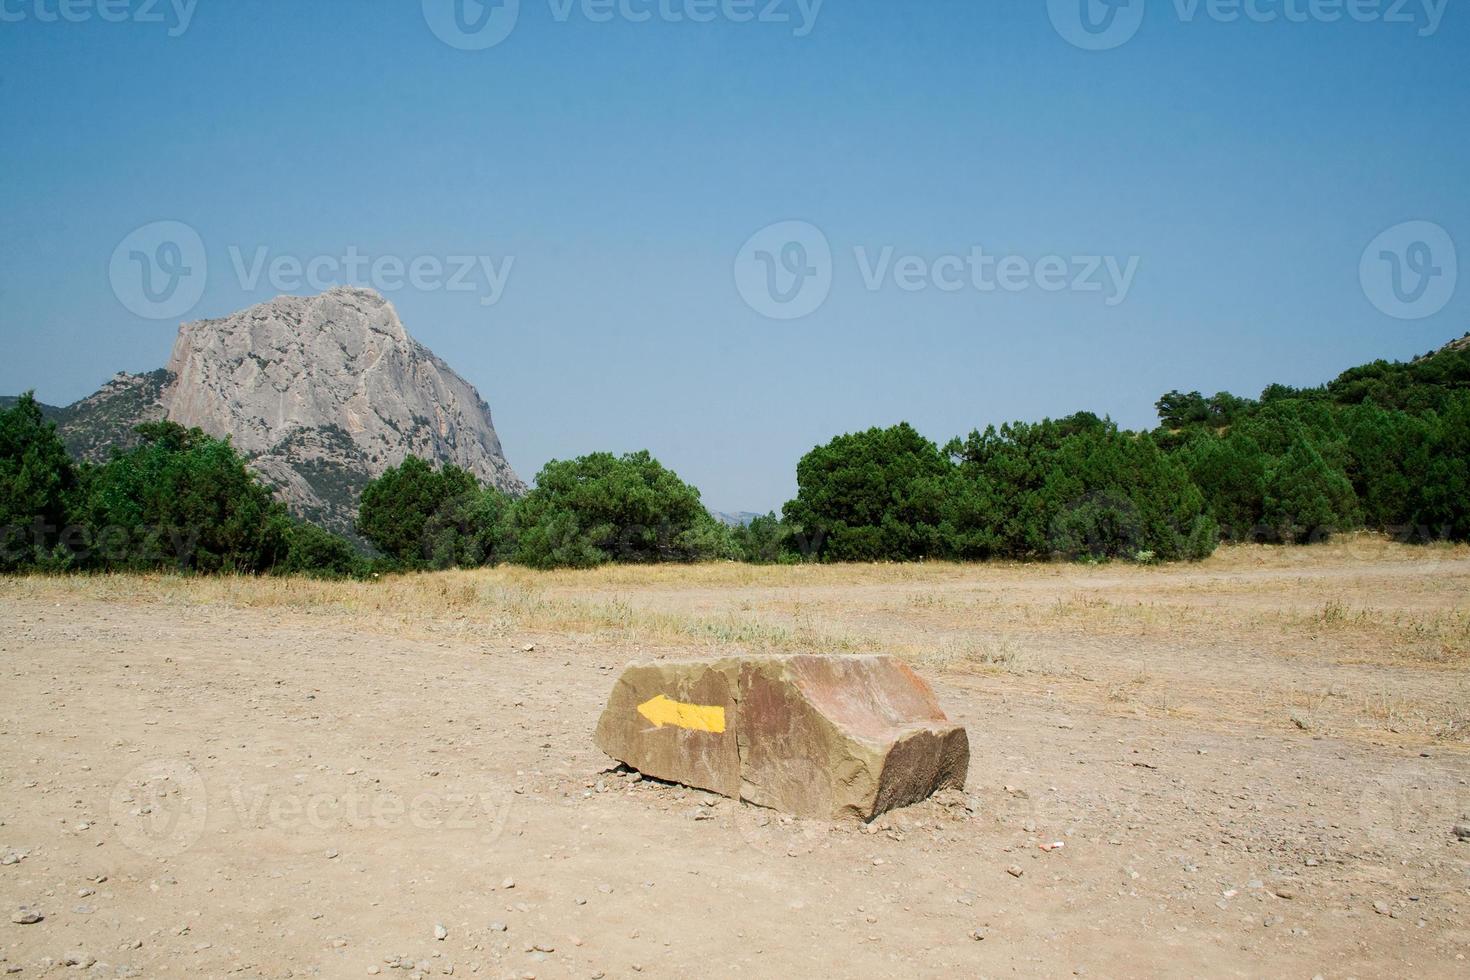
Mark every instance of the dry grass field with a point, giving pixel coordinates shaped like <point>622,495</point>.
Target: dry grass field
<point>1255,764</point>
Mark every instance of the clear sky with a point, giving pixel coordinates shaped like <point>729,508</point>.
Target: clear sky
<point>611,159</point>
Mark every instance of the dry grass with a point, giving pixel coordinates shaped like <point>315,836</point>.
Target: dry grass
<point>1351,632</point>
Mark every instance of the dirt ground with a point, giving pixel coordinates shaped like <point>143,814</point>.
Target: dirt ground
<point>1255,765</point>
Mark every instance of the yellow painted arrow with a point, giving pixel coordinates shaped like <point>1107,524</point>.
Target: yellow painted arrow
<point>695,717</point>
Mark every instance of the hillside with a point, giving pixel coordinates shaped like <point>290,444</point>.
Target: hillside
<point>320,394</point>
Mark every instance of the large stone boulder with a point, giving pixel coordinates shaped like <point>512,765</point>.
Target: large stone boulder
<point>815,736</point>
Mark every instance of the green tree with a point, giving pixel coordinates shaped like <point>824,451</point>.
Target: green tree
<point>1440,503</point>
<point>877,495</point>
<point>1231,475</point>
<point>602,508</point>
<point>468,530</point>
<point>422,517</point>
<point>764,541</point>
<point>317,553</point>
<point>1179,411</point>
<point>1308,499</point>
<point>1079,487</point>
<point>1388,455</point>
<point>37,482</point>
<point>180,499</point>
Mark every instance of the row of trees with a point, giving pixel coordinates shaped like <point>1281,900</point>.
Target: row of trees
<point>583,512</point>
<point>178,500</point>
<point>1076,488</point>
<point>1385,446</point>
<point>182,500</point>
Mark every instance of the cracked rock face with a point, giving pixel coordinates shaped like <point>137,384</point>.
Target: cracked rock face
<point>816,736</point>
<point>320,394</point>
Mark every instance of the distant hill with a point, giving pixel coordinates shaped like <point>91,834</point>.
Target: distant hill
<point>1463,344</point>
<point>739,518</point>
<point>49,411</point>
<point>320,394</point>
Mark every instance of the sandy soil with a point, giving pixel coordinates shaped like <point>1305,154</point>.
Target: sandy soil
<point>1255,765</point>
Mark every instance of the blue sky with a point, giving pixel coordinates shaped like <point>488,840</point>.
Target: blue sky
<point>1241,166</point>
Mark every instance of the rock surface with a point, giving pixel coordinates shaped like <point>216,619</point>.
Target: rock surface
<point>321,394</point>
<point>814,736</point>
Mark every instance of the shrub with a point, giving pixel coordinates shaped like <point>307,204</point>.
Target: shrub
<point>318,553</point>
<point>1079,488</point>
<point>468,530</point>
<point>37,484</point>
<point>421,517</point>
<point>877,495</point>
<point>179,499</point>
<point>601,508</point>
<point>764,541</point>
<point>1306,498</point>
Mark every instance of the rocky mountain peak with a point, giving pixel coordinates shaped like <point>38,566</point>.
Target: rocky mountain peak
<point>320,394</point>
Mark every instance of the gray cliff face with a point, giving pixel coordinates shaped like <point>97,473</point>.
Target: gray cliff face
<point>321,394</point>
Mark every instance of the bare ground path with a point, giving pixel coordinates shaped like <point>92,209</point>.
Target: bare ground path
<point>1254,765</point>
